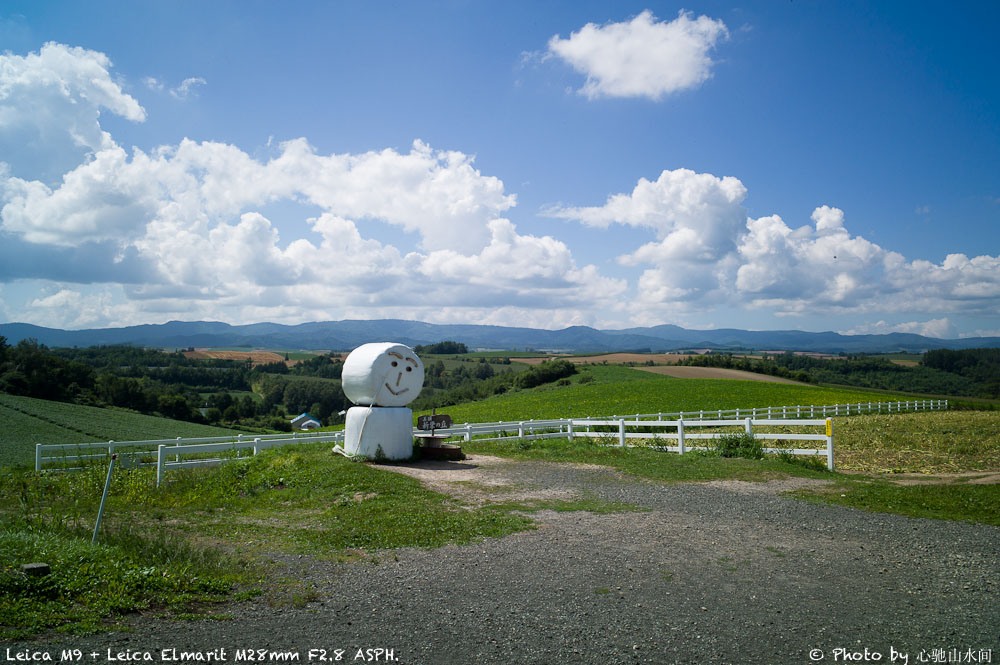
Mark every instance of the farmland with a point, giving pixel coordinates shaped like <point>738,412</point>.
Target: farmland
<point>621,390</point>
<point>255,356</point>
<point>27,421</point>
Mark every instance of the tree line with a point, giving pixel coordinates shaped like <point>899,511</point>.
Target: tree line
<point>172,385</point>
<point>963,373</point>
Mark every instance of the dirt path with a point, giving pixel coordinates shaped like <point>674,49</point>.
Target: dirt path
<point>692,372</point>
<point>723,572</point>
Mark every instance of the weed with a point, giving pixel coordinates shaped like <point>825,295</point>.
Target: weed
<point>739,445</point>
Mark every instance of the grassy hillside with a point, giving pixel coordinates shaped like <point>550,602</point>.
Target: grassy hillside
<point>27,421</point>
<point>623,390</point>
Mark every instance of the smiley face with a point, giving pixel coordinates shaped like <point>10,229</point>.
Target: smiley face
<point>382,374</point>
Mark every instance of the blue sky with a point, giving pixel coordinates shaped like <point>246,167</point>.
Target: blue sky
<point>819,166</point>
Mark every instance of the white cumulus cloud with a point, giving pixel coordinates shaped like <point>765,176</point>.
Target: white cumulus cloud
<point>50,106</point>
<point>642,57</point>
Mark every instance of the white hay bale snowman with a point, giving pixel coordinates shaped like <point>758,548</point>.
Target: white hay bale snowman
<point>381,378</point>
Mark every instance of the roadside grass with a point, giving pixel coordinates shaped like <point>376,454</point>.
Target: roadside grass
<point>648,463</point>
<point>978,504</point>
<point>205,534</point>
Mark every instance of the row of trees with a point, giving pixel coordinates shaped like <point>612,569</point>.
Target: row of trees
<point>971,372</point>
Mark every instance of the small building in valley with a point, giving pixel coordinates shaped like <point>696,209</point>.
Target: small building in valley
<point>305,421</point>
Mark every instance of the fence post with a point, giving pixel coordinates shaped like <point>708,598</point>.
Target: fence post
<point>38,457</point>
<point>621,432</point>
<point>256,443</point>
<point>520,429</point>
<point>680,436</point>
<point>468,432</point>
<point>569,430</point>
<point>829,444</point>
<point>177,458</point>
<point>160,460</point>
<point>748,426</point>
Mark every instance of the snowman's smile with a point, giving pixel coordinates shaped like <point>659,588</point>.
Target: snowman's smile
<point>399,376</point>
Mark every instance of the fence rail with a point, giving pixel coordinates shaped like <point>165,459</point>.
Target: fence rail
<point>681,436</point>
<point>180,447</point>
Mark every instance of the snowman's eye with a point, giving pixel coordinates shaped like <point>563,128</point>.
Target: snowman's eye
<point>394,363</point>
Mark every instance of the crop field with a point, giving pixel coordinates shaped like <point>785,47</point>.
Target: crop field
<point>693,372</point>
<point>450,363</point>
<point>612,358</point>
<point>928,442</point>
<point>256,357</point>
<point>624,390</point>
<point>27,421</point>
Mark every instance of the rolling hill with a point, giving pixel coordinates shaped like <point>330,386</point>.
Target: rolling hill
<point>345,335</point>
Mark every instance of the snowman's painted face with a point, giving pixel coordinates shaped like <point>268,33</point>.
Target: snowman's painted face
<point>382,374</point>
<point>399,367</point>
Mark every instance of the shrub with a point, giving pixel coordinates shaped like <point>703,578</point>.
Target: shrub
<point>739,445</point>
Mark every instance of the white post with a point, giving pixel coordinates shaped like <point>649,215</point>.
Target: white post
<point>468,432</point>
<point>829,444</point>
<point>160,460</point>
<point>748,426</point>
<point>680,436</point>
<point>38,457</point>
<point>256,446</point>
<point>177,458</point>
<point>520,429</point>
<point>569,430</point>
<point>621,432</point>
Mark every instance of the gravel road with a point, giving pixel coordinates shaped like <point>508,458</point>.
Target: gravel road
<point>726,572</point>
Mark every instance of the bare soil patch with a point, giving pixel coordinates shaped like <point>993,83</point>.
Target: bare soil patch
<point>772,487</point>
<point>963,478</point>
<point>256,357</point>
<point>477,480</point>
<point>688,372</point>
<point>611,358</point>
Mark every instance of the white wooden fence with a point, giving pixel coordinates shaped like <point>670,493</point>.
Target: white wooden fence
<point>225,448</point>
<point>681,436</point>
<point>69,453</point>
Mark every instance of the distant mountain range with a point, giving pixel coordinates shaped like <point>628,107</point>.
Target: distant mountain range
<point>345,335</point>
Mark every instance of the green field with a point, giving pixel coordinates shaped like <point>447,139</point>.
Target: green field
<point>624,390</point>
<point>27,421</point>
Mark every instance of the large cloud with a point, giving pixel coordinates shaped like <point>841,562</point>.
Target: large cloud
<point>50,107</point>
<point>642,57</point>
<point>710,253</point>
<point>184,226</point>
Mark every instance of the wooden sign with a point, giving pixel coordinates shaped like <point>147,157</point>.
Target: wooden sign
<point>437,421</point>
